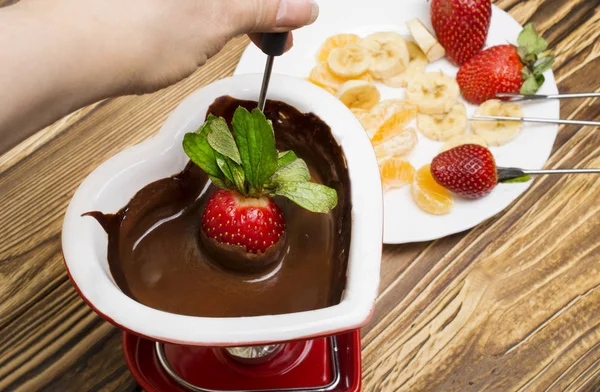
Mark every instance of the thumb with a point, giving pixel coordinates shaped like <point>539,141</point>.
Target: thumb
<point>264,16</point>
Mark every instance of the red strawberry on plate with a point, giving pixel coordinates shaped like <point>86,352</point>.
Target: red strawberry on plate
<point>242,227</point>
<point>468,170</point>
<point>506,68</point>
<point>461,26</point>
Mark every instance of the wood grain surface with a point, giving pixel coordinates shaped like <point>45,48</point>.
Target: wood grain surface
<point>511,305</point>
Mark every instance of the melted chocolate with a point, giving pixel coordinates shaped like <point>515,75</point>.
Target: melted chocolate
<point>156,256</point>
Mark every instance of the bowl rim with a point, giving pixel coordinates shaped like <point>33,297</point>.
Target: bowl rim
<point>89,275</point>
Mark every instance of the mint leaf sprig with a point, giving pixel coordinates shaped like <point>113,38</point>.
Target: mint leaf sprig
<point>248,162</point>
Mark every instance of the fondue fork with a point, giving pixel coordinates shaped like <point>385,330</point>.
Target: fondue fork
<point>505,173</point>
<point>541,97</point>
<point>535,120</point>
<point>272,44</point>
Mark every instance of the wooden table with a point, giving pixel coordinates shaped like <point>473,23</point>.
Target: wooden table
<point>513,304</point>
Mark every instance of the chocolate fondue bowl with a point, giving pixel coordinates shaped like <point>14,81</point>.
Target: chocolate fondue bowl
<point>112,185</point>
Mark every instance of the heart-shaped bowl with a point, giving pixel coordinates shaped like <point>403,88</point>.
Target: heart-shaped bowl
<point>115,182</point>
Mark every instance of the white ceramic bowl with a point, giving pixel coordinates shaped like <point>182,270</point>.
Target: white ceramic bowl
<point>113,184</point>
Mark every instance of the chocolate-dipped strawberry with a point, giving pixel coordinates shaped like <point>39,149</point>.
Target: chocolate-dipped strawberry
<point>242,226</point>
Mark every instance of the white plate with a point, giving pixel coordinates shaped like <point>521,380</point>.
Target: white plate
<point>404,221</point>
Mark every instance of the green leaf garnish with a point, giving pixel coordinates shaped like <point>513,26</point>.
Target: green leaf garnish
<point>531,40</point>
<point>285,157</point>
<point>224,167</point>
<point>218,182</point>
<point>200,152</point>
<point>239,178</point>
<point>308,195</point>
<point>297,171</point>
<point>247,161</point>
<point>221,139</point>
<point>256,143</point>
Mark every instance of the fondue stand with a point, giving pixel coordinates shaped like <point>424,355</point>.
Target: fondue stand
<point>316,350</point>
<point>324,364</point>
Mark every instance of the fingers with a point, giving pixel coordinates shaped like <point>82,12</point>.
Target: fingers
<point>262,16</point>
<point>255,37</point>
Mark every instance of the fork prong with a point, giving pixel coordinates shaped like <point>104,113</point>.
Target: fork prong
<point>536,120</point>
<point>537,97</point>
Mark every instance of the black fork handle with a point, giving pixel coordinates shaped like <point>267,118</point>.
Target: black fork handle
<point>273,44</point>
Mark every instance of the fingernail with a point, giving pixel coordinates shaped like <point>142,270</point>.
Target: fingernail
<point>314,11</point>
<point>296,13</point>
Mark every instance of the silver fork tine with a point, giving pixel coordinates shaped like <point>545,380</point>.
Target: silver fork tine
<point>537,97</point>
<point>536,120</point>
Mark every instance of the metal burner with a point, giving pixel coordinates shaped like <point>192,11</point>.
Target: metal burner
<point>255,352</point>
<point>254,355</point>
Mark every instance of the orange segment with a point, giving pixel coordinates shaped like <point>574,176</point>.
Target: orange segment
<point>390,142</point>
<point>390,107</point>
<point>430,196</point>
<point>324,78</point>
<point>370,121</point>
<point>396,173</point>
<point>335,41</point>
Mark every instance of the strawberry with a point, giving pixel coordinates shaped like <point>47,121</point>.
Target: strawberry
<point>255,224</point>
<point>461,26</point>
<point>241,223</point>
<point>468,170</point>
<point>506,68</point>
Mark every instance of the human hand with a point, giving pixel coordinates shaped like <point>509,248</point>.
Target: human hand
<point>156,43</point>
<point>65,54</point>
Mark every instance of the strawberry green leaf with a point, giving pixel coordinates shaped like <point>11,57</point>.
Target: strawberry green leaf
<point>241,123</point>
<point>543,65</point>
<point>221,140</point>
<point>200,152</point>
<point>532,84</point>
<point>297,171</point>
<point>256,142</point>
<point>239,179</point>
<point>218,182</point>
<point>308,195</point>
<point>531,40</point>
<point>222,163</point>
<point>523,52</point>
<point>285,157</point>
<point>524,178</point>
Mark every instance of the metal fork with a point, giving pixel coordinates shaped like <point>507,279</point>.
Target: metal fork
<point>540,97</point>
<point>536,120</point>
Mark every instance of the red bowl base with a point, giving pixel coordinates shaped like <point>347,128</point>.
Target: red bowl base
<point>302,364</point>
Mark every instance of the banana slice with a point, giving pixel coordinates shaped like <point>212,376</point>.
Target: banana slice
<point>389,54</point>
<point>433,92</point>
<point>359,94</point>
<point>442,127</point>
<point>426,41</point>
<point>335,41</point>
<point>459,140</point>
<point>416,66</point>
<point>394,142</point>
<point>369,120</point>
<point>349,61</point>
<point>402,110</point>
<point>497,133</point>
